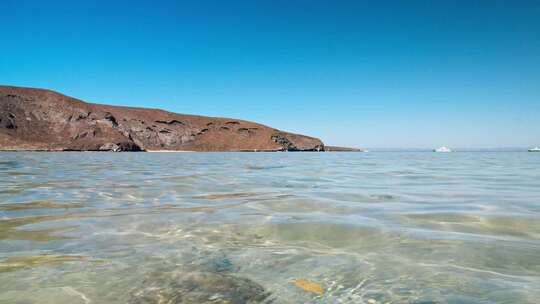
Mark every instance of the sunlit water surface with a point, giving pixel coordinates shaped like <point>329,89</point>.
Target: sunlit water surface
<point>382,227</point>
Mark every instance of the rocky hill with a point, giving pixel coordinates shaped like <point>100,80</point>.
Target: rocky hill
<point>36,119</point>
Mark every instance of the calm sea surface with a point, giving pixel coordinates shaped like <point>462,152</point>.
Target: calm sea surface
<point>387,227</point>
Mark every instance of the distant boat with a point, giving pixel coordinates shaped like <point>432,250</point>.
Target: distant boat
<point>442,150</point>
<point>535,149</point>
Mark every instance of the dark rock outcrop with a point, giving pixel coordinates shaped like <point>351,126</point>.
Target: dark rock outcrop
<point>36,119</point>
<point>198,287</point>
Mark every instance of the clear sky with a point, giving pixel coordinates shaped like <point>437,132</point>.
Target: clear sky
<point>354,73</point>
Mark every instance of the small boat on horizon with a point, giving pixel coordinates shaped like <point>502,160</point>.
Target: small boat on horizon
<point>535,149</point>
<point>442,149</point>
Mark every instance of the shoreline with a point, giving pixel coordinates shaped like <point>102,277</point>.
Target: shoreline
<point>180,151</point>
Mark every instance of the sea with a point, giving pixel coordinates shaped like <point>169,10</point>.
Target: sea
<point>379,227</point>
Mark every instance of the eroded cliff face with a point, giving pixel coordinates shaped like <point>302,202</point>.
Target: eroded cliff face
<point>35,119</point>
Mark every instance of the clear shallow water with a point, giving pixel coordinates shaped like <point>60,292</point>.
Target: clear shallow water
<point>244,227</point>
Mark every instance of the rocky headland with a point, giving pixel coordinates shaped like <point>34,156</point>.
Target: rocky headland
<point>43,120</point>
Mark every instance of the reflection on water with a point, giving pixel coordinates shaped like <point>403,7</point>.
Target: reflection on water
<point>12,228</point>
<point>269,228</point>
<point>38,205</point>
<point>17,263</point>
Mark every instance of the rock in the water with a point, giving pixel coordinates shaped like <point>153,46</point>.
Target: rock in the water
<point>197,287</point>
<point>35,119</point>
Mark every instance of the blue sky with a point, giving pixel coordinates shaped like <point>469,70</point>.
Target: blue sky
<point>356,73</point>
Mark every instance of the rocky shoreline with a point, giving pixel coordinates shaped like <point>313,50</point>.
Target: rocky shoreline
<point>43,120</point>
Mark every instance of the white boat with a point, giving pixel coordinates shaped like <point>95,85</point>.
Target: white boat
<point>442,150</point>
<point>535,149</point>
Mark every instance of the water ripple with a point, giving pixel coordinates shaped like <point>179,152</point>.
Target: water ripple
<point>240,227</point>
